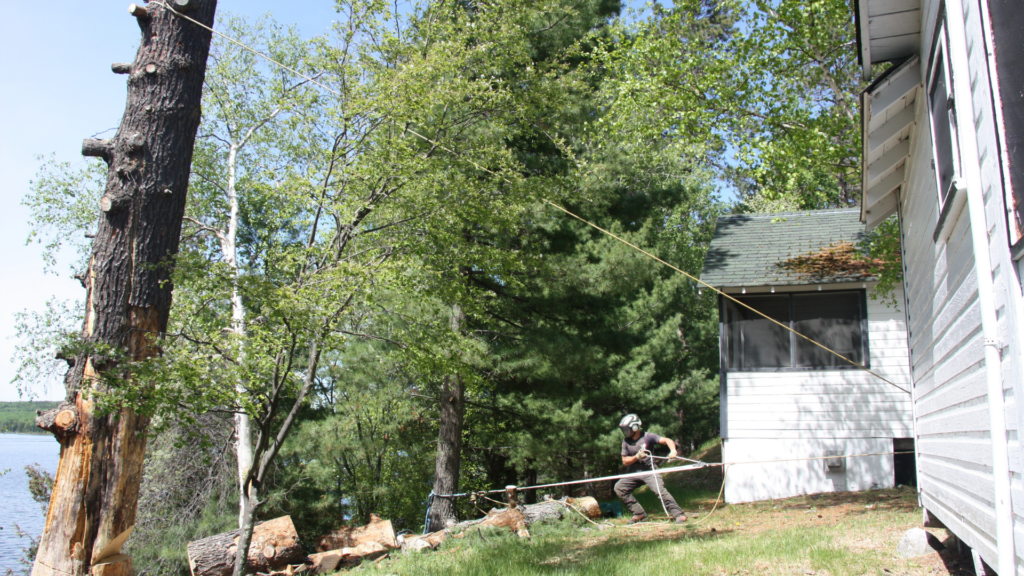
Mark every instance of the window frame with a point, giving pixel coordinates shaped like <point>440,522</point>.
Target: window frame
<point>939,55</point>
<point>723,334</point>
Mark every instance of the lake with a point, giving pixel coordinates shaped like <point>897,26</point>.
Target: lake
<point>16,503</point>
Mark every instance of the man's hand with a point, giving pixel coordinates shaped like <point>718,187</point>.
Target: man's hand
<point>671,454</point>
<point>643,454</point>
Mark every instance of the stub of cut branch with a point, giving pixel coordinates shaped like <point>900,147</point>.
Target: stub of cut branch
<point>138,11</point>
<point>121,68</point>
<point>60,420</point>
<point>96,148</point>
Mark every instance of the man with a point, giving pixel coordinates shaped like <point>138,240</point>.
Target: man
<point>636,456</point>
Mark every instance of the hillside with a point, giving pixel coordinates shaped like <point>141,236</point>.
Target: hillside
<point>20,417</point>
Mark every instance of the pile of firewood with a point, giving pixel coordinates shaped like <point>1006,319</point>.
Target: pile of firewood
<point>275,549</point>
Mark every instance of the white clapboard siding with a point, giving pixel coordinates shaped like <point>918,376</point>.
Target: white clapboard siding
<point>804,414</point>
<point>955,456</point>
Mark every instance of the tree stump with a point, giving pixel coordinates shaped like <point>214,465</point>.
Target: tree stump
<point>380,531</point>
<point>274,545</point>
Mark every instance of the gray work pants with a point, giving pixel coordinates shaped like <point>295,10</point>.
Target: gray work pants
<point>625,486</point>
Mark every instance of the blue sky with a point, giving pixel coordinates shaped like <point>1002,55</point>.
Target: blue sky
<point>57,89</point>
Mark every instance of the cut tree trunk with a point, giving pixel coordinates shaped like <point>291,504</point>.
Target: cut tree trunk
<point>128,295</point>
<point>449,443</point>
<point>325,562</point>
<point>589,506</point>
<point>274,545</point>
<point>380,531</point>
<point>550,510</point>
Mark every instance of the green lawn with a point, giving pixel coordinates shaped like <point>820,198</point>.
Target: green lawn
<point>834,534</point>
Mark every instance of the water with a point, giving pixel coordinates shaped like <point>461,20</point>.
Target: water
<point>16,503</point>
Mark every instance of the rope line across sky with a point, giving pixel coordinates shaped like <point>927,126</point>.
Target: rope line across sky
<point>478,166</point>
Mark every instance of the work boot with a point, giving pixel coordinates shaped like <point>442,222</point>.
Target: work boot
<point>637,518</point>
<point>681,518</point>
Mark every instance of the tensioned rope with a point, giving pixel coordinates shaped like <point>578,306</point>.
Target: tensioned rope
<point>660,471</point>
<point>581,219</point>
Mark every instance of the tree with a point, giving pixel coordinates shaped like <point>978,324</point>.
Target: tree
<point>771,109</point>
<point>241,138</point>
<point>128,293</point>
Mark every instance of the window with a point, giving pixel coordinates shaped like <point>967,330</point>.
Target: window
<point>943,126</point>
<point>835,319</point>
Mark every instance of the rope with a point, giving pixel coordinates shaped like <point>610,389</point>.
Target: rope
<point>485,169</point>
<point>246,47</point>
<point>723,294</point>
<point>662,471</point>
<point>725,471</point>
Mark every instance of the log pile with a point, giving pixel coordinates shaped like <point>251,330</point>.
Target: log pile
<point>275,545</point>
<point>275,549</point>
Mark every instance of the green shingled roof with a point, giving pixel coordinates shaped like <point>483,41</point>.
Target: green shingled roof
<point>749,249</point>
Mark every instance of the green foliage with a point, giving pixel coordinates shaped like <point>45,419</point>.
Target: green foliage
<point>40,484</point>
<point>883,246</point>
<point>62,204</point>
<point>20,417</point>
<point>42,336</point>
<point>187,493</point>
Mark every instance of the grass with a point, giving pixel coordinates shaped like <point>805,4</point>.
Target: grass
<point>827,534</point>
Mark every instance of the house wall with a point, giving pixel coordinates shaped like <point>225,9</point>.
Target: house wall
<point>955,457</point>
<point>794,414</point>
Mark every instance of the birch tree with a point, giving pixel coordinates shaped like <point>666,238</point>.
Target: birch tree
<point>241,139</point>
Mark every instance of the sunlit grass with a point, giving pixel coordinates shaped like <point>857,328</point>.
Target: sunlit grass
<point>835,534</point>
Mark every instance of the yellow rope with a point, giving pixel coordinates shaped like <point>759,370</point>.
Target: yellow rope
<point>474,163</point>
<point>710,287</point>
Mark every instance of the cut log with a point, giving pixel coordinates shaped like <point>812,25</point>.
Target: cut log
<point>377,530</point>
<point>332,560</point>
<point>550,510</point>
<point>275,545</point>
<point>417,543</point>
<point>511,518</point>
<point>587,505</point>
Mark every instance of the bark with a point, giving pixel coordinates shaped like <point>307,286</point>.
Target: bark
<point>380,531</point>
<point>550,510</point>
<point>128,296</point>
<point>229,247</point>
<point>449,442</point>
<point>274,545</point>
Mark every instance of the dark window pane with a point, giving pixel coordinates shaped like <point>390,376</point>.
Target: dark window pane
<point>941,129</point>
<point>1008,30</point>
<point>753,341</point>
<point>833,319</point>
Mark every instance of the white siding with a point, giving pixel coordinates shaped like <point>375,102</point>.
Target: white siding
<point>946,342</point>
<point>785,415</point>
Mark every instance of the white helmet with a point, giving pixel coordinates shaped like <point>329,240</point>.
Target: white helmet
<point>629,424</point>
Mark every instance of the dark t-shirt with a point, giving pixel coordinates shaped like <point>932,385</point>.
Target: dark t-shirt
<point>630,447</point>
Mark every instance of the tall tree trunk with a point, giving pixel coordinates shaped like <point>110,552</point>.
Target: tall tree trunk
<point>229,248</point>
<point>449,441</point>
<point>128,299</point>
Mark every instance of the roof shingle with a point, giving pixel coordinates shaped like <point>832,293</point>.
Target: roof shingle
<point>751,249</point>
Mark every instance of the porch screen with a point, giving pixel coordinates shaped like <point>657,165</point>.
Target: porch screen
<point>835,319</point>
<point>831,319</point>
<point>753,341</point>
